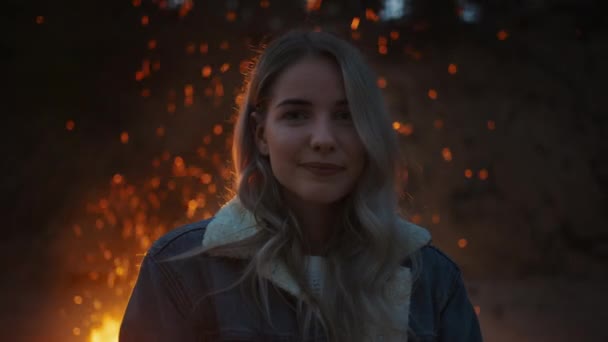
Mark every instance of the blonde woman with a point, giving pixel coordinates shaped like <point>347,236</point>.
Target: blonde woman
<point>311,247</point>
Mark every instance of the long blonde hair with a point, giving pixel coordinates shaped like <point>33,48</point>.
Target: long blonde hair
<point>363,254</point>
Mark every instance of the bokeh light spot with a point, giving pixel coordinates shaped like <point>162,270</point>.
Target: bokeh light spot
<point>452,69</point>
<point>145,92</point>
<point>483,174</point>
<point>117,179</point>
<point>231,16</point>
<point>354,24</point>
<point>381,82</point>
<point>69,125</point>
<point>438,124</point>
<point>502,35</point>
<point>491,125</point>
<point>446,153</point>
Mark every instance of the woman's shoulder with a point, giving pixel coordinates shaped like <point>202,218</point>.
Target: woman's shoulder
<point>432,257</point>
<point>440,306</point>
<point>436,275</point>
<point>179,240</point>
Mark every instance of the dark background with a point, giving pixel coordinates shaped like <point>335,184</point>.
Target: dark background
<point>522,108</point>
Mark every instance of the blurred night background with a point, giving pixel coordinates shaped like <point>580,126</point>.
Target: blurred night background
<point>118,119</point>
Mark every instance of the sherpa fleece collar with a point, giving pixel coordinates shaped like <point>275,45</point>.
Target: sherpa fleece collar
<point>234,223</point>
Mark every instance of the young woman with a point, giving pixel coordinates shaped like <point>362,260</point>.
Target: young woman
<point>311,247</point>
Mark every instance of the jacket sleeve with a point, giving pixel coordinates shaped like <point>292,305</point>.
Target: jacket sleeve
<point>459,321</point>
<point>157,309</point>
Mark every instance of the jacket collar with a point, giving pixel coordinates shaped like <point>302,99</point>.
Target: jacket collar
<point>233,223</point>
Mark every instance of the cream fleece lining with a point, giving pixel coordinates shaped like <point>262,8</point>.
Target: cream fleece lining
<point>233,223</point>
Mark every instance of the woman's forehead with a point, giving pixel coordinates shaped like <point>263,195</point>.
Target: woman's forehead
<point>310,80</point>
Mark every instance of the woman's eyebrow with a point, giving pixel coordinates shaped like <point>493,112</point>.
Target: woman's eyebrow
<point>302,102</point>
<point>299,102</point>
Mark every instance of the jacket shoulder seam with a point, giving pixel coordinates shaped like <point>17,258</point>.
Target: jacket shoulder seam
<point>444,257</point>
<point>165,241</point>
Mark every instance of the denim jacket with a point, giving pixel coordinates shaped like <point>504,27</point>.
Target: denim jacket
<point>169,301</point>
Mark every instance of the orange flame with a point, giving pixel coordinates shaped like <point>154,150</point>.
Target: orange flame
<point>108,332</point>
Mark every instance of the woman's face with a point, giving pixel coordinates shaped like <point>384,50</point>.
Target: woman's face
<point>307,133</point>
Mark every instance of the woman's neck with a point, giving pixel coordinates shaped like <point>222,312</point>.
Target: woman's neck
<point>317,221</point>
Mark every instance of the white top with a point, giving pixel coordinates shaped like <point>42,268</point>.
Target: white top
<point>316,273</point>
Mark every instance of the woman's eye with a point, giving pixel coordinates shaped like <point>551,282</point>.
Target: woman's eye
<point>343,116</point>
<point>295,115</point>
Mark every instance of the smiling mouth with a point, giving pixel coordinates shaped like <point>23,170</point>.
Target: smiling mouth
<point>321,169</point>
<point>323,166</point>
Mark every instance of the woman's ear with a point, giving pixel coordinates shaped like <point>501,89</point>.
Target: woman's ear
<point>259,134</point>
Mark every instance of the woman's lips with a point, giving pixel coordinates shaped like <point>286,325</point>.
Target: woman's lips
<point>322,169</point>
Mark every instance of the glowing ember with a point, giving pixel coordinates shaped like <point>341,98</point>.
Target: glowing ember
<point>231,16</point>
<point>145,92</point>
<point>438,123</point>
<point>206,71</point>
<point>371,15</point>
<point>483,174</point>
<point>108,332</point>
<point>446,153</point>
<point>190,48</point>
<point>152,44</point>
<point>69,125</point>
<point>355,23</point>
<point>313,5</point>
<point>382,82</point>
<point>491,125</point>
<point>452,69</point>
<point>406,129</point>
<point>502,35</point>
<point>171,107</point>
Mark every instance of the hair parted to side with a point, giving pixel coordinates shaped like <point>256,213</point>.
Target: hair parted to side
<point>363,254</point>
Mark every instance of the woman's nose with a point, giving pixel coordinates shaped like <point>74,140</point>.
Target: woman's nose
<point>322,136</point>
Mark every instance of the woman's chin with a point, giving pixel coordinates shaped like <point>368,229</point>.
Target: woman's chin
<point>321,199</point>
